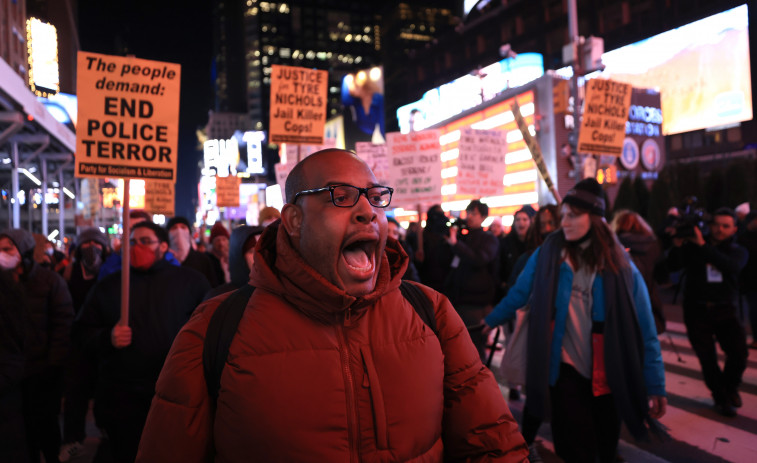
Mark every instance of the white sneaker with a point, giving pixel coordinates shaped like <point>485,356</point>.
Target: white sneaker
<point>69,450</point>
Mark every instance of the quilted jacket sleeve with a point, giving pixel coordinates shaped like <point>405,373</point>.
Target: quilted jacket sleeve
<point>179,426</point>
<point>477,424</point>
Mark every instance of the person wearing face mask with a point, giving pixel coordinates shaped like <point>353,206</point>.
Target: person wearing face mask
<point>113,263</point>
<point>91,248</point>
<point>241,258</point>
<point>162,297</point>
<point>47,305</point>
<point>180,243</point>
<point>593,357</point>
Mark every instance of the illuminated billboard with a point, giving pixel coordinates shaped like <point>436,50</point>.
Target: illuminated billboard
<point>701,70</point>
<point>469,91</point>
<point>363,101</point>
<point>42,45</point>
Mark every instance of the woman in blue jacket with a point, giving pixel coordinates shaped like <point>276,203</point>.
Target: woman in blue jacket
<point>593,357</point>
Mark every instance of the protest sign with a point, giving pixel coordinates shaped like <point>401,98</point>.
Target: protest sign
<point>603,127</point>
<point>415,167</point>
<point>282,172</point>
<point>298,104</point>
<point>481,162</point>
<point>227,191</point>
<point>128,117</point>
<point>159,197</point>
<point>295,153</point>
<point>377,159</point>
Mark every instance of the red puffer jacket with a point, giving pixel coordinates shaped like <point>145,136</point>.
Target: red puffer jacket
<point>315,375</point>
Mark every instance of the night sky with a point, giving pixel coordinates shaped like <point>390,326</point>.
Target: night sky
<point>162,30</point>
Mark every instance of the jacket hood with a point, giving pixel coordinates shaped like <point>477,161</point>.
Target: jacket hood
<point>280,269</point>
<point>23,240</point>
<point>637,244</point>
<point>238,269</point>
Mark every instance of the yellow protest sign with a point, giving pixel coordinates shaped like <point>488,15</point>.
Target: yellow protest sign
<point>159,197</point>
<point>603,127</point>
<point>298,105</point>
<point>227,191</point>
<point>128,117</point>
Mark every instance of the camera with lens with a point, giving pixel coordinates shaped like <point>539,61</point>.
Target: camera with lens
<point>690,216</point>
<point>461,224</point>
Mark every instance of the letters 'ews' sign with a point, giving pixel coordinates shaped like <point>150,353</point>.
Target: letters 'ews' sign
<point>298,105</point>
<point>603,126</point>
<point>128,117</point>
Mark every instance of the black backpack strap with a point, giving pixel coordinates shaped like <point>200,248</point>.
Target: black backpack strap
<point>420,302</point>
<point>221,330</point>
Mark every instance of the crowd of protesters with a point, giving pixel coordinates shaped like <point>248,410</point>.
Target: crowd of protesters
<point>591,290</point>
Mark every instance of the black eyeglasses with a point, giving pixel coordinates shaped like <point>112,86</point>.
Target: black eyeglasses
<point>348,195</point>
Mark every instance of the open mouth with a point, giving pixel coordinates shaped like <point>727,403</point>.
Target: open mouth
<point>359,256</point>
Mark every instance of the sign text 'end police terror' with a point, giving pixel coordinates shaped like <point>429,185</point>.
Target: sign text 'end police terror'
<point>136,131</point>
<point>129,113</point>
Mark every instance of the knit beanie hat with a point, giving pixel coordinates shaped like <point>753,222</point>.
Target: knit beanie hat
<point>92,234</point>
<point>178,220</point>
<point>23,240</point>
<point>218,230</point>
<point>528,210</point>
<point>587,194</point>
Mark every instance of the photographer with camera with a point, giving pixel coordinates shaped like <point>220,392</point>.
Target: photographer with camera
<point>712,262</point>
<point>473,278</point>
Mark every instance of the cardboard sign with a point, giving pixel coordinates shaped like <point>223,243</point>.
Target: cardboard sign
<point>298,104</point>
<point>415,167</point>
<point>128,117</point>
<point>296,152</point>
<point>603,127</point>
<point>481,162</point>
<point>377,158</point>
<point>159,197</point>
<point>282,172</point>
<point>227,191</point>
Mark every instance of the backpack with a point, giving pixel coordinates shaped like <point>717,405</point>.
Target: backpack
<point>225,320</point>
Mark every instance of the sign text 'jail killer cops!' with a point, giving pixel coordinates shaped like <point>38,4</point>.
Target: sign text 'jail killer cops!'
<point>128,117</point>
<point>298,104</point>
<point>603,126</point>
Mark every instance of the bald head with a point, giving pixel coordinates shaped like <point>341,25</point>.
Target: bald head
<point>345,244</point>
<point>298,179</point>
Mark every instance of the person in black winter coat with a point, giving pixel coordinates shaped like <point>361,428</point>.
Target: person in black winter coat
<point>474,276</point>
<point>512,246</point>
<point>91,248</point>
<point>241,255</point>
<point>712,268</point>
<point>748,239</point>
<point>12,325</point>
<point>635,234</point>
<point>162,297</point>
<point>180,243</point>
<point>47,304</point>
<point>434,254</point>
